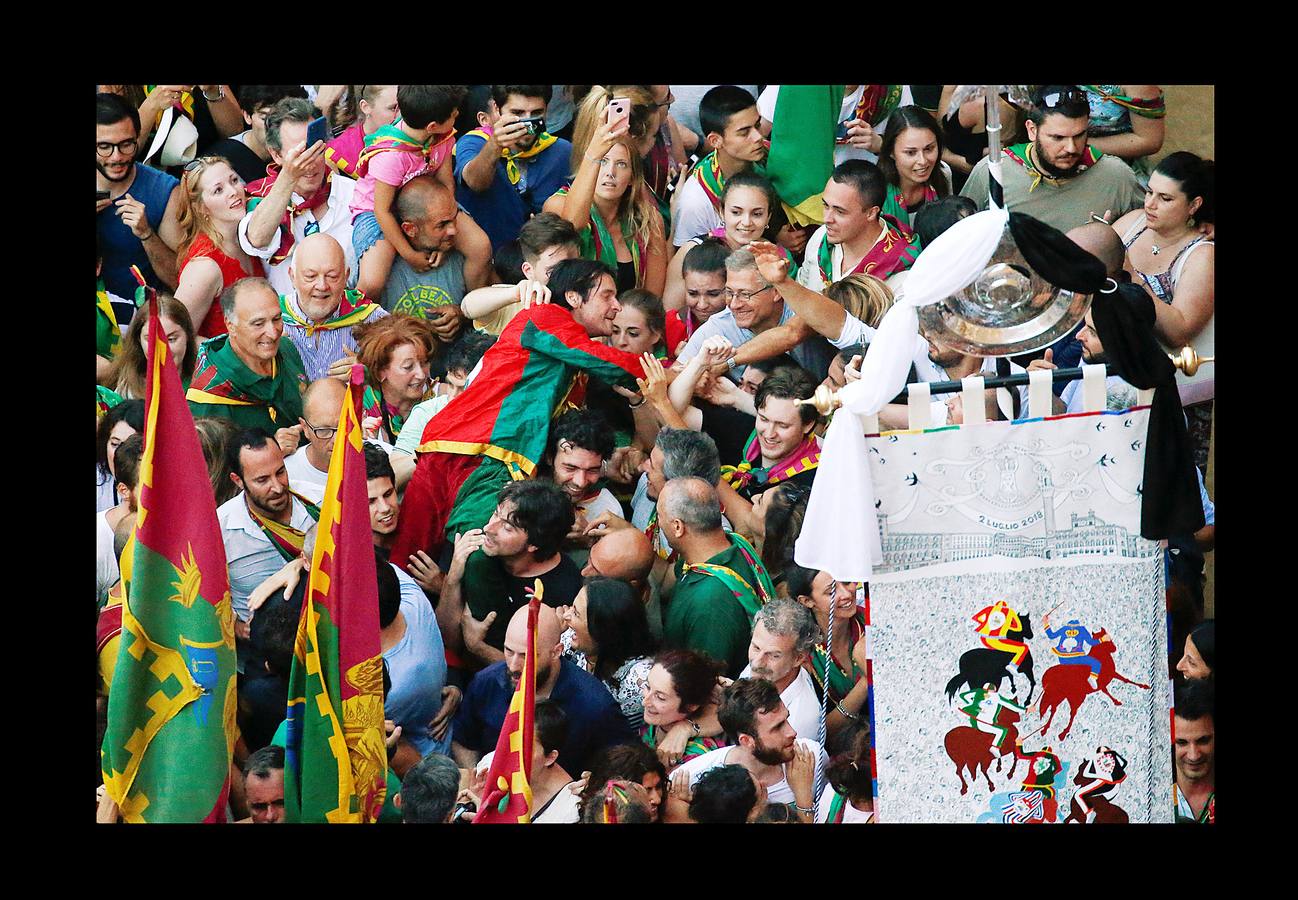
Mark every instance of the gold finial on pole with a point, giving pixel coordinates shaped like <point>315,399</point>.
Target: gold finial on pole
<point>1188,361</point>
<point>825,400</point>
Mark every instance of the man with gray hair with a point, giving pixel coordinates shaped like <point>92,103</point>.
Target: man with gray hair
<point>721,584</point>
<point>752,307</point>
<point>785,633</point>
<point>299,197</point>
<point>250,375</point>
<point>428,791</point>
<point>677,453</point>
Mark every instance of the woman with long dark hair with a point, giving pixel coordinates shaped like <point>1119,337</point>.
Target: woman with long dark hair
<point>611,633</point>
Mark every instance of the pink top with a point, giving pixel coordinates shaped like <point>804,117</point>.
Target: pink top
<point>344,151</point>
<point>396,167</point>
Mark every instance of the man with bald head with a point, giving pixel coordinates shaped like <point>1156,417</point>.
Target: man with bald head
<point>595,721</point>
<point>319,311</point>
<point>624,554</point>
<point>721,583</point>
<point>308,468</point>
<point>426,211</point>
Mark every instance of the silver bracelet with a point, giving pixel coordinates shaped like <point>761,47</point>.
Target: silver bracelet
<point>806,811</point>
<point>220,95</point>
<point>855,717</point>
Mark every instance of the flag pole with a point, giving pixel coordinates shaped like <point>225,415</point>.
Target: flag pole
<point>996,183</point>
<point>824,691</point>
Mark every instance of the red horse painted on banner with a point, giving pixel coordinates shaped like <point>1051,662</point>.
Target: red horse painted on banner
<point>1061,683</point>
<point>971,749</point>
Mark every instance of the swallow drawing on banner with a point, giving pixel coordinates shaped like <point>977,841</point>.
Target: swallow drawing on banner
<point>878,504</point>
<point>1135,445</point>
<point>1099,426</point>
<point>892,438</point>
<point>912,479</point>
<point>1140,489</point>
<point>874,450</point>
<point>1106,459</point>
<point>1126,423</point>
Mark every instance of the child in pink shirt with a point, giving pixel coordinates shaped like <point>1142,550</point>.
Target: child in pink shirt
<point>419,142</point>
<point>376,107</point>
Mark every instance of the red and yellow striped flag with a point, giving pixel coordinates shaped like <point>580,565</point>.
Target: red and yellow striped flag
<point>507,795</point>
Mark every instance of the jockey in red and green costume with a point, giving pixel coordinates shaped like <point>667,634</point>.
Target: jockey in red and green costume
<point>983,706</point>
<point>995,623</point>
<point>1043,767</point>
<point>496,430</point>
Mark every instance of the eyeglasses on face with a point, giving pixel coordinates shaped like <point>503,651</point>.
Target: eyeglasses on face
<point>126,148</point>
<point>743,295</point>
<point>322,434</point>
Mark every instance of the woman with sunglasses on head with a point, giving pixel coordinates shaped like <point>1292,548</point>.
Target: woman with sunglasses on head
<point>608,202</point>
<point>212,203</point>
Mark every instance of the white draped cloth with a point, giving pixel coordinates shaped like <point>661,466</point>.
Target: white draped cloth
<point>840,532</point>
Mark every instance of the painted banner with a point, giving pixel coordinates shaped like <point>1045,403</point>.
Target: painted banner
<point>1019,630</point>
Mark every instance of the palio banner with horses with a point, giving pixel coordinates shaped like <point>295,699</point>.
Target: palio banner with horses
<point>1019,634</point>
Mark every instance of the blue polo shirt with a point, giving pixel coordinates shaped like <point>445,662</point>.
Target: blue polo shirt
<point>502,208</point>
<point>121,248</point>
<point>595,721</point>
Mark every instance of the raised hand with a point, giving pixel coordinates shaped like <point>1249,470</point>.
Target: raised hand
<point>771,263</point>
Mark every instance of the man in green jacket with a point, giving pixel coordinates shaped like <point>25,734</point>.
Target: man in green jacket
<point>720,580</point>
<point>251,375</point>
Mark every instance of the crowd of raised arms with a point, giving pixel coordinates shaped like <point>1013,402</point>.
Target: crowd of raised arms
<point>586,320</point>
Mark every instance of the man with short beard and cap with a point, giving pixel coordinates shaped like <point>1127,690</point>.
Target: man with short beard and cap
<point>595,721</point>
<point>300,197</point>
<point>319,311</point>
<point>1057,177</point>
<point>251,375</point>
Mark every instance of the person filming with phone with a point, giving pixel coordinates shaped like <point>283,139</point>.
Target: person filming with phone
<point>509,165</point>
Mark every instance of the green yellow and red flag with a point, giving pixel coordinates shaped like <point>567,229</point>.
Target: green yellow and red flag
<point>802,147</point>
<point>171,709</point>
<point>507,794</point>
<point>336,761</point>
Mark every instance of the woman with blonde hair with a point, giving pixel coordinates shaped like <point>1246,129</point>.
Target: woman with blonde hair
<point>608,202</point>
<point>212,203</point>
<point>395,352</point>
<point>130,367</point>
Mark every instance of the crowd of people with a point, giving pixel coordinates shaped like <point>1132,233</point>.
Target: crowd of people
<point>586,320</point>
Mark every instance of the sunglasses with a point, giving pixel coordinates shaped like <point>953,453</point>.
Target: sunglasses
<point>1059,98</point>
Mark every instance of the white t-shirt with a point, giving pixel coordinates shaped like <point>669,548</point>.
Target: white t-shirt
<point>305,478</point>
<point>695,214</point>
<point>106,571</point>
<point>842,152</point>
<point>780,792</point>
<point>601,503</point>
<point>564,809</point>
<point>802,701</point>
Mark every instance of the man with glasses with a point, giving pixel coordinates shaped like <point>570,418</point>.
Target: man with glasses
<point>308,468</point>
<point>752,307</point>
<point>509,165</point>
<point>1057,176</point>
<point>319,311</point>
<point>137,219</point>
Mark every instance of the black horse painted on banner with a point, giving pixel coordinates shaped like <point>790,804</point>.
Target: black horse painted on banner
<point>984,665</point>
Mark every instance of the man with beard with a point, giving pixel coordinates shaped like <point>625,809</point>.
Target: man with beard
<point>299,198</point>
<point>581,442</point>
<point>756,721</point>
<point>506,168</point>
<point>520,546</point>
<point>783,638</point>
<point>1057,177</point>
<point>263,526</point>
<point>594,719</point>
<point>426,211</point>
<point>319,311</point>
<point>137,221</point>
